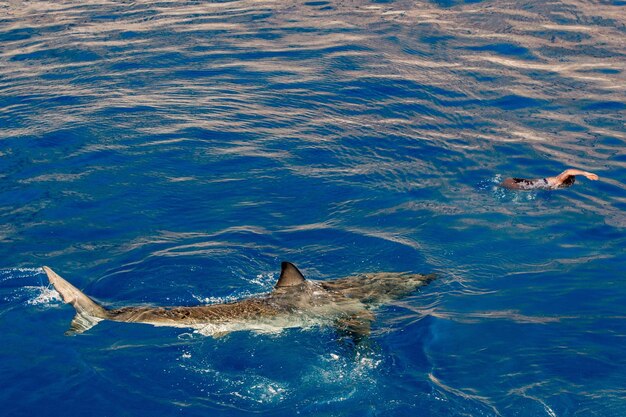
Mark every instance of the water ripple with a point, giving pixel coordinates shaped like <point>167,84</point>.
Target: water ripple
<point>176,152</point>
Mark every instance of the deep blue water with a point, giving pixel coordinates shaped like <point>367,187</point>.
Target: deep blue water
<point>174,152</point>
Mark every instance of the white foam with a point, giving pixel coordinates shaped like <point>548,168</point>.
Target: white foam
<point>247,387</point>
<point>265,281</point>
<point>502,193</point>
<point>35,295</point>
<point>263,391</point>
<point>43,296</point>
<point>227,298</point>
<point>217,300</point>
<point>7,274</point>
<point>339,370</point>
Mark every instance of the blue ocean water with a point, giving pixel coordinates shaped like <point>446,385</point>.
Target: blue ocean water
<point>175,152</point>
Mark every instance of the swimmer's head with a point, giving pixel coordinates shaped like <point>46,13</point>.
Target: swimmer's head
<point>569,181</point>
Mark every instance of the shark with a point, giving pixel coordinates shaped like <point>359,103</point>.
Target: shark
<point>347,303</point>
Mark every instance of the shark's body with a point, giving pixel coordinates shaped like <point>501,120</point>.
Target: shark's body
<point>294,302</point>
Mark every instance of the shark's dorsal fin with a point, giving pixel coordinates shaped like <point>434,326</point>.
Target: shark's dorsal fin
<point>290,276</point>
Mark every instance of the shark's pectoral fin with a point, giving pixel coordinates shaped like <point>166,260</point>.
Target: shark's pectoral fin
<point>81,323</point>
<point>357,326</point>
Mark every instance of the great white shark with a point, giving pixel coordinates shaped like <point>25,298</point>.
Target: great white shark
<point>347,303</point>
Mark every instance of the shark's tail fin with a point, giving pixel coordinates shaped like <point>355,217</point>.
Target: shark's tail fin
<point>88,312</point>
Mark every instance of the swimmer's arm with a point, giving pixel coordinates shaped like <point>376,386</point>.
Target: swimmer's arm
<point>570,172</point>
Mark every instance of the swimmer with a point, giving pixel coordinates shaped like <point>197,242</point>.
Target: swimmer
<point>563,180</point>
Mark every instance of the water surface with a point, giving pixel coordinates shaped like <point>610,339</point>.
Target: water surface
<point>174,152</point>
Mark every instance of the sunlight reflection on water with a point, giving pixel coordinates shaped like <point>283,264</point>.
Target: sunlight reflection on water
<point>176,152</point>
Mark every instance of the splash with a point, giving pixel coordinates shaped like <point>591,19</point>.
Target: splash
<point>338,368</point>
<point>263,391</point>
<point>8,274</point>
<point>43,296</point>
<point>37,295</point>
<point>250,389</point>
<point>264,281</point>
<point>34,296</point>
<point>492,185</point>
